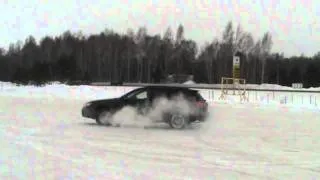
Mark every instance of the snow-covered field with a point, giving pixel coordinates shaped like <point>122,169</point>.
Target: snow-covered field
<point>43,136</point>
<point>56,90</point>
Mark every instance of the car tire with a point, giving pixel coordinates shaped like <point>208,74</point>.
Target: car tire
<point>178,121</point>
<point>104,117</point>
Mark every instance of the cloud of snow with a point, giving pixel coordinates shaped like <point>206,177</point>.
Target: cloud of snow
<point>131,116</point>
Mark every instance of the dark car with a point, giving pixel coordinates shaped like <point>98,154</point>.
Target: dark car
<point>144,98</point>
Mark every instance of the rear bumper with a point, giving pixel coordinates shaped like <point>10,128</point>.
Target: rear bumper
<point>200,117</point>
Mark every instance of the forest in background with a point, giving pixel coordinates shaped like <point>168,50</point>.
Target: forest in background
<point>140,57</point>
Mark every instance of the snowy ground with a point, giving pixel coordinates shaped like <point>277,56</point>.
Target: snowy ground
<point>43,136</point>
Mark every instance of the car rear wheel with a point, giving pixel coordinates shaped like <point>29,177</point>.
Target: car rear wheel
<point>104,118</point>
<point>178,121</point>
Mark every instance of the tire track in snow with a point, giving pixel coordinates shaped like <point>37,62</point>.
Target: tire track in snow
<point>176,158</point>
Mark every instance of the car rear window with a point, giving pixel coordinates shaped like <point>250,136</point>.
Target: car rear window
<point>197,95</point>
<point>193,95</point>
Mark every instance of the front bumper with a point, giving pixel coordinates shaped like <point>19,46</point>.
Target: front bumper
<point>88,112</point>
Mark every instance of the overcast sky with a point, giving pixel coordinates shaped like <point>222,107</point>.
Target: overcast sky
<point>294,24</point>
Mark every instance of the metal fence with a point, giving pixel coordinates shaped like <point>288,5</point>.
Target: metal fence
<point>294,97</point>
<point>268,97</point>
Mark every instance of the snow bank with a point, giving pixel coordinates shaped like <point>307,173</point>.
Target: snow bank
<point>278,87</point>
<point>58,90</point>
<point>85,92</point>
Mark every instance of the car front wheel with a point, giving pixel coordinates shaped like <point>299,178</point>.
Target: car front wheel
<point>104,118</point>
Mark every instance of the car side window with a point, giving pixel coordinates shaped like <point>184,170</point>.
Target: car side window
<point>142,95</point>
<point>154,94</point>
<point>137,94</point>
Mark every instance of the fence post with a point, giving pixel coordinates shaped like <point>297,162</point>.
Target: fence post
<point>212,91</point>
<point>273,95</point>
<point>310,99</point>
<point>256,96</point>
<point>285,100</point>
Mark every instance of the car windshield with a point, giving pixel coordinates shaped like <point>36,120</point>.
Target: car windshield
<point>132,93</point>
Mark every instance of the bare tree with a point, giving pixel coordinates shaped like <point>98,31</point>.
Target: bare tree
<point>227,50</point>
<point>266,45</point>
<point>178,48</point>
<point>46,46</point>
<point>130,51</point>
<point>211,55</point>
<point>246,46</point>
<point>180,35</point>
<point>140,40</point>
<point>167,47</point>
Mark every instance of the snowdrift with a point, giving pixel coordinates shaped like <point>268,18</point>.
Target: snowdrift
<point>86,92</point>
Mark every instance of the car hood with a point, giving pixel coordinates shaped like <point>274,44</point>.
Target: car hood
<point>103,101</point>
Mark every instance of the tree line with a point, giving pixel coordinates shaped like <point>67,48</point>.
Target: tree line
<point>141,57</point>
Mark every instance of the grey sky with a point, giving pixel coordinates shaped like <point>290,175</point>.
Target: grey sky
<point>294,25</point>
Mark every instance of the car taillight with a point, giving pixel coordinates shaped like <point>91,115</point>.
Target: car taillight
<point>201,104</point>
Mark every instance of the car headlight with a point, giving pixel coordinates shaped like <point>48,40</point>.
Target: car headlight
<point>87,104</point>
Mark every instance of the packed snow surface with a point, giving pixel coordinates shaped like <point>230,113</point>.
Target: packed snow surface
<point>43,136</point>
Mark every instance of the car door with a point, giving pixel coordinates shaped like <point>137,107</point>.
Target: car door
<point>140,101</point>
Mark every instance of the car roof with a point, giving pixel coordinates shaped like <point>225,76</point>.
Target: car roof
<point>169,87</point>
